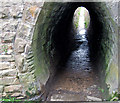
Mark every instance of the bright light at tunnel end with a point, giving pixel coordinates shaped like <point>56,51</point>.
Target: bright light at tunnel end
<point>81,20</point>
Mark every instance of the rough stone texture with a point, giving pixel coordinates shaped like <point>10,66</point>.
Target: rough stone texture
<point>1,88</point>
<point>30,34</point>
<point>4,65</point>
<point>7,58</point>
<point>9,81</point>
<point>13,88</point>
<point>119,47</point>
<point>10,72</point>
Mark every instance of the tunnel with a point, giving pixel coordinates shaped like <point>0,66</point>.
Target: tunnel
<point>53,42</point>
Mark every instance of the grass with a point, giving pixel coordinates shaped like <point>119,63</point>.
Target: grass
<point>10,99</point>
<point>13,100</point>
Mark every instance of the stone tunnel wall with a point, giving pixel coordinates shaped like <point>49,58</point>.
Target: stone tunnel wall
<point>105,43</point>
<point>27,52</point>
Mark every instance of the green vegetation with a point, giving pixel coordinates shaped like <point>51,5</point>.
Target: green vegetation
<point>77,16</point>
<point>115,96</point>
<point>5,48</point>
<point>101,89</point>
<point>76,25</point>
<point>86,23</point>
<point>76,21</point>
<point>11,99</point>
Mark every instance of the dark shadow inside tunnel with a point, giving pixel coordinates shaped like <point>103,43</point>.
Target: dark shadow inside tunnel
<point>65,31</point>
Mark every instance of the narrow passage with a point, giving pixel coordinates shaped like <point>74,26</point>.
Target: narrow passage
<point>78,81</point>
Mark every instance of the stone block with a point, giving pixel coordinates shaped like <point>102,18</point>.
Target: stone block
<point>21,97</point>
<point>16,11</point>
<point>2,15</point>
<point>9,72</point>
<point>5,13</point>
<point>19,45</point>
<point>7,58</point>
<point>20,62</point>
<point>8,37</point>
<point>21,48</point>
<point>26,78</point>
<point>30,14</point>
<point>1,88</point>
<point>9,81</point>
<point>9,26</point>
<point>27,48</point>
<point>4,65</point>
<point>13,88</point>
<point>13,94</point>
<point>13,65</point>
<point>16,95</point>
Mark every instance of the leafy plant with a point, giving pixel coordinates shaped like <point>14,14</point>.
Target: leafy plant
<point>115,96</point>
<point>76,25</point>
<point>28,94</point>
<point>86,24</point>
<point>101,89</point>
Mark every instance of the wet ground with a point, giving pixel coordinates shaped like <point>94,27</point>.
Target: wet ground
<point>78,81</point>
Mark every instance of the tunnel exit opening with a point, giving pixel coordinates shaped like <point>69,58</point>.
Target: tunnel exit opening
<point>81,20</point>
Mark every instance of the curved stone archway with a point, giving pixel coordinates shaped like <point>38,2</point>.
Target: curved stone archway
<point>42,42</point>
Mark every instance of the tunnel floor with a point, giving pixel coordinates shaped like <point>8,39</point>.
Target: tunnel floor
<point>78,80</point>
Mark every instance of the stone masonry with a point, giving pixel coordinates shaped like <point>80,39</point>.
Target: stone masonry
<point>17,20</point>
<point>19,26</point>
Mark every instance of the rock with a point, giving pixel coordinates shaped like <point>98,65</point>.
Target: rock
<point>21,48</point>
<point>33,10</point>
<point>10,51</point>
<point>20,63</point>
<point>20,97</point>
<point>13,88</point>
<point>16,95</point>
<point>20,45</point>
<point>94,98</point>
<point>27,48</point>
<point>9,26</point>
<point>7,58</point>
<point>9,72</point>
<point>4,65</point>
<point>1,88</point>
<point>26,78</point>
<point>2,16</point>
<point>9,80</point>
<point>30,13</point>
<point>9,37</point>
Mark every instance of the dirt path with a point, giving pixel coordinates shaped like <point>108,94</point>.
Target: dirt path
<point>78,81</point>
